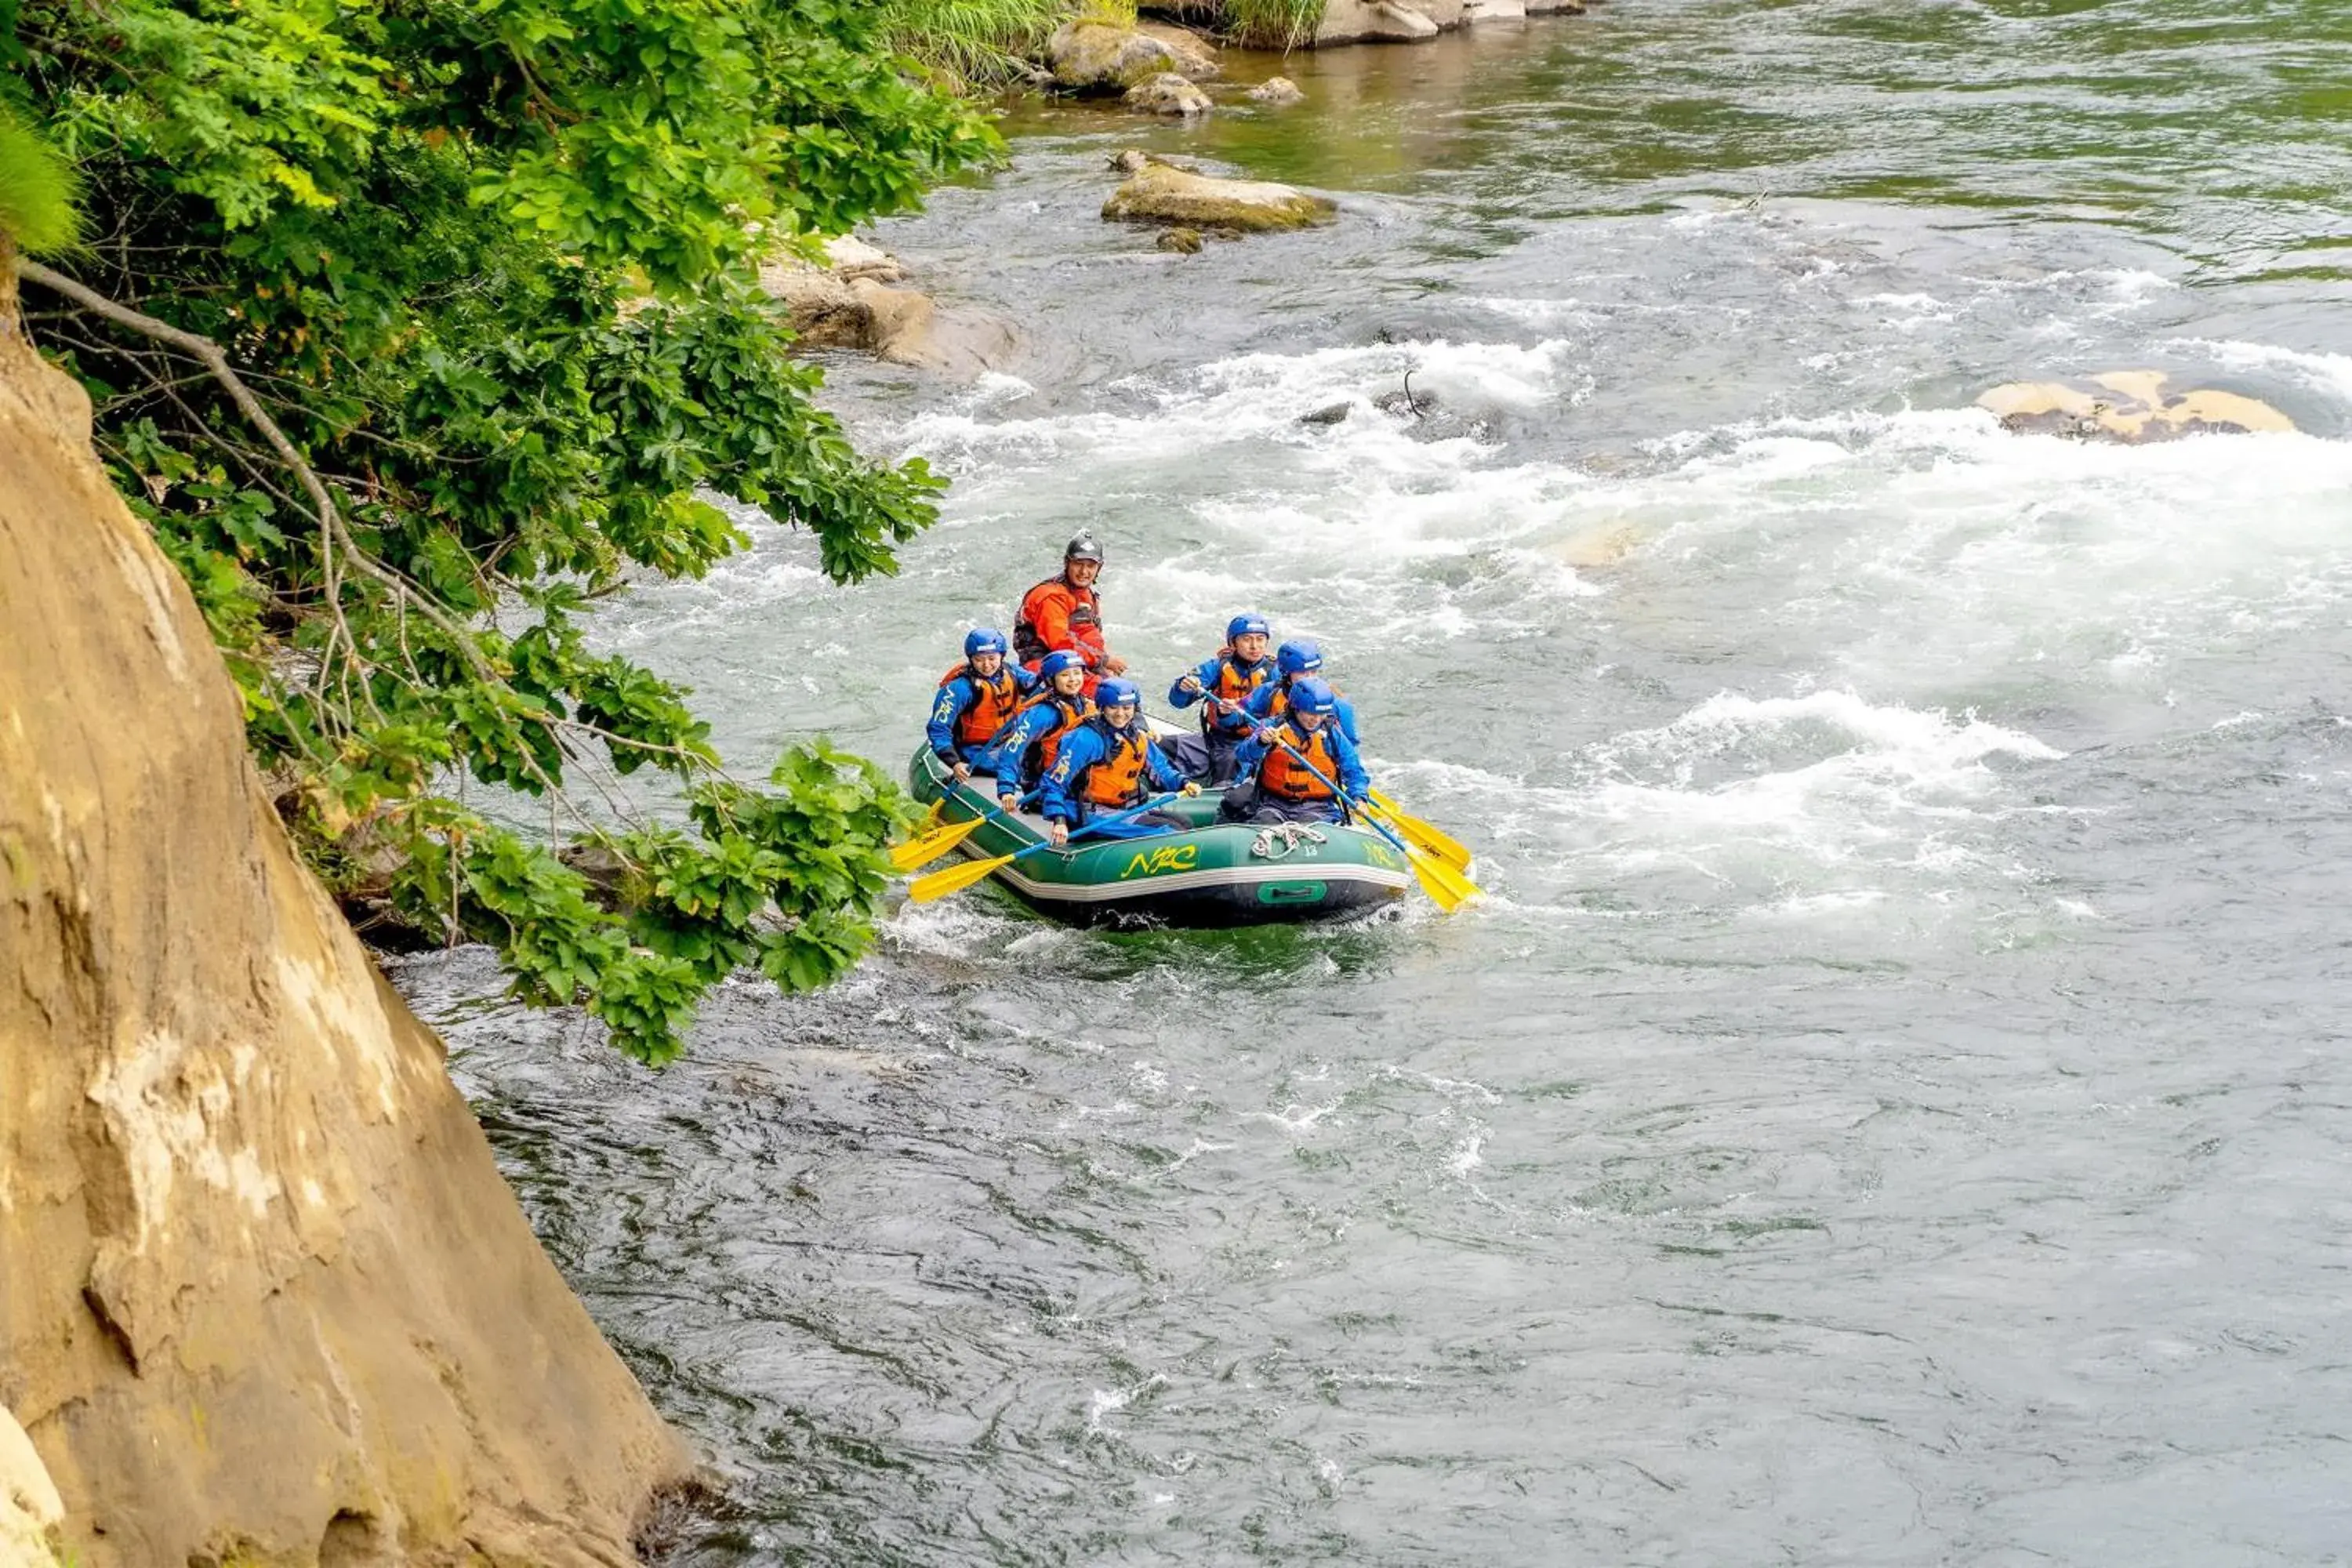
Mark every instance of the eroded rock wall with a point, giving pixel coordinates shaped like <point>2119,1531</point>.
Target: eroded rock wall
<point>264,1298</point>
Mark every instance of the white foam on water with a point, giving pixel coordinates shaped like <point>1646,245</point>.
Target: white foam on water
<point>2331,374</point>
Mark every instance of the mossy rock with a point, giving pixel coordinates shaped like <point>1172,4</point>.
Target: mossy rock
<point>1089,57</point>
<point>1162,193</point>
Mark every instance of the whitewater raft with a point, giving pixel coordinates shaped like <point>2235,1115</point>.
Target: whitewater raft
<point>1216,874</point>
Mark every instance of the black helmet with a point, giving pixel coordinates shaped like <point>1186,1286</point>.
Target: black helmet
<point>1083,548</point>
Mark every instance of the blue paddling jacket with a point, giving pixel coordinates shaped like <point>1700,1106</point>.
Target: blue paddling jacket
<point>1103,769</point>
<point>1223,675</point>
<point>968,712</point>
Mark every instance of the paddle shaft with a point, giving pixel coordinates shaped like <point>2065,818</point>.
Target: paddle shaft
<point>1154,804</point>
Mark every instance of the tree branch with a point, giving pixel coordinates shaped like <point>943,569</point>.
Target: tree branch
<point>335,539</point>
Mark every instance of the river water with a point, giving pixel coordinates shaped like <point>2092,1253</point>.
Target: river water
<point>1892,1106</point>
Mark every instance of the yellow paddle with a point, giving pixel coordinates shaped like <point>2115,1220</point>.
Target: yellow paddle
<point>1448,888</point>
<point>917,853</point>
<point>956,879</point>
<point>1450,850</point>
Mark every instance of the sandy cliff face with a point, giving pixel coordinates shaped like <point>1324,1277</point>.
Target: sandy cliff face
<point>263,1295</point>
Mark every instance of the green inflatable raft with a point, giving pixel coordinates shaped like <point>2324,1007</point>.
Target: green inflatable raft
<point>1217,874</point>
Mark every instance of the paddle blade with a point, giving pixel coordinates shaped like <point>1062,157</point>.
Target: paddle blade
<point>919,852</point>
<point>954,879</point>
<point>1448,888</point>
<point>1428,835</point>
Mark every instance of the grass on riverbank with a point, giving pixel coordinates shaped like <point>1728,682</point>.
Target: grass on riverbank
<point>1271,24</point>
<point>985,43</point>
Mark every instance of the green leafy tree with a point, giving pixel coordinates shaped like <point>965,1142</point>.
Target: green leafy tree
<point>413,327</point>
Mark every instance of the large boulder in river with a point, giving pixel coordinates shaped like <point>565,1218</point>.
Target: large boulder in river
<point>1157,191</point>
<point>2130,406</point>
<point>263,1296</point>
<point>1375,21</point>
<point>1103,57</point>
<point>1196,56</point>
<point>851,303</point>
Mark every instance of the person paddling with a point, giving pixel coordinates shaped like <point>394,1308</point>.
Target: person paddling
<point>1110,763</point>
<point>1278,784</point>
<point>1225,681</point>
<point>1294,662</point>
<point>1064,611</point>
<point>1028,746</point>
<point>977,698</point>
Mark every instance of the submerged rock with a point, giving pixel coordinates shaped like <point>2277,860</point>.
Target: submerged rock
<point>1331,414</point>
<point>1187,240</point>
<point>1167,93</point>
<point>1279,91</point>
<point>1160,192</point>
<point>2130,406</point>
<point>267,1298</point>
<point>1103,57</point>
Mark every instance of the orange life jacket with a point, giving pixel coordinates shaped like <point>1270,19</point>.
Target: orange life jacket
<point>1083,620</point>
<point>1075,710</point>
<point>1233,684</point>
<point>993,703</point>
<point>1282,775</point>
<point>1117,779</point>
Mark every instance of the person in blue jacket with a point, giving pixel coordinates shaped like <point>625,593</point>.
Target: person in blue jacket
<point>1222,684</point>
<point>1025,748</point>
<point>977,698</point>
<point>1288,767</point>
<point>1107,764</point>
<point>1294,662</point>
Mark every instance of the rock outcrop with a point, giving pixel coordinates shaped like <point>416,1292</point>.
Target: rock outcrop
<point>850,303</point>
<point>2130,406</point>
<point>32,1515</point>
<point>264,1296</point>
<point>1277,92</point>
<point>1157,191</point>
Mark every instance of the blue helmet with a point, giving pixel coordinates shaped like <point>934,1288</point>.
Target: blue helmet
<point>1117,694</point>
<point>1053,663</point>
<point>1313,696</point>
<point>1298,657</point>
<point>1246,626</point>
<point>987,639</point>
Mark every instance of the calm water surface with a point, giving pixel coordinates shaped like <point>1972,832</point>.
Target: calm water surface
<point>1893,1109</point>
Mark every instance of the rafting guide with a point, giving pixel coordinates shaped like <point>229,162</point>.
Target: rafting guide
<point>1041,768</point>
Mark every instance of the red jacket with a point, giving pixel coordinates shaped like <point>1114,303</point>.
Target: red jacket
<point>1055,615</point>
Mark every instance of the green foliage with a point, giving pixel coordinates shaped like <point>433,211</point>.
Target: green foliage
<point>1271,24</point>
<point>38,198</point>
<point>491,267</point>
